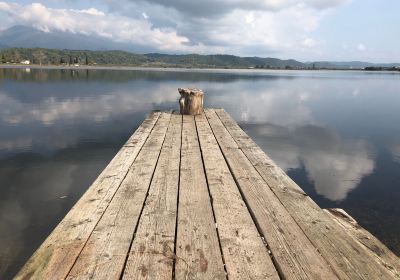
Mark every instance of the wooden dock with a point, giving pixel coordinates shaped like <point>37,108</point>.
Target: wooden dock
<point>195,198</point>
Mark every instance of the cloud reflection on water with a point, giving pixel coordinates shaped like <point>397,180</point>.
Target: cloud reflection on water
<point>335,165</point>
<point>59,128</point>
<point>286,127</point>
<point>281,120</point>
<point>394,149</point>
<point>98,108</point>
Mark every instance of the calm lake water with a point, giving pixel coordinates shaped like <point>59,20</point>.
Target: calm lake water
<point>337,134</point>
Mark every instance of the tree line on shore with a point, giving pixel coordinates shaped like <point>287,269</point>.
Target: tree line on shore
<point>40,56</point>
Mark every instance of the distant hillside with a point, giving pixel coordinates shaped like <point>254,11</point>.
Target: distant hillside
<point>57,47</point>
<point>90,57</point>
<point>57,57</point>
<point>352,64</point>
<point>29,37</point>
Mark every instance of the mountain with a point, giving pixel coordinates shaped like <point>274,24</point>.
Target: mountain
<point>224,61</point>
<point>351,64</point>
<point>29,37</point>
<point>58,46</point>
<point>66,56</point>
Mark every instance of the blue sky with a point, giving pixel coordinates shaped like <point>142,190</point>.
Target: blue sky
<point>306,30</point>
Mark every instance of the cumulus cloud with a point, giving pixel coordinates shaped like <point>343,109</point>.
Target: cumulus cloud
<point>210,8</point>
<point>228,26</point>
<point>94,22</point>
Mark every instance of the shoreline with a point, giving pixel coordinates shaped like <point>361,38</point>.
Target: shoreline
<point>174,69</point>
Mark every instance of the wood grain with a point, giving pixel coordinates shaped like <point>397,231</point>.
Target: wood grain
<point>245,255</point>
<point>152,252</point>
<point>55,257</point>
<point>201,182</point>
<point>348,259</point>
<point>198,255</point>
<point>375,247</point>
<point>295,256</point>
<point>104,254</point>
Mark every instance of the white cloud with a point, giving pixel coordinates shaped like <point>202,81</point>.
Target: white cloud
<point>309,43</point>
<point>92,11</point>
<point>145,16</point>
<point>249,18</point>
<point>257,32</point>
<point>361,47</point>
<point>93,21</point>
<point>228,26</point>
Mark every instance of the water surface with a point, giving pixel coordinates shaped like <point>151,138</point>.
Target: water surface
<point>335,133</point>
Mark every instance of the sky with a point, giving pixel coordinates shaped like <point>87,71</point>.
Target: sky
<point>306,30</point>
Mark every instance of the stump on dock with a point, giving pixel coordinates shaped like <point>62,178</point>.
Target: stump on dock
<point>191,101</point>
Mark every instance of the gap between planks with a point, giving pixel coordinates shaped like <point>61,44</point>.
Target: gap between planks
<point>193,197</point>
<point>55,257</point>
<point>349,259</point>
<point>105,253</point>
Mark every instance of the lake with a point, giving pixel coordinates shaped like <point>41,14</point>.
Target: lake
<point>336,133</point>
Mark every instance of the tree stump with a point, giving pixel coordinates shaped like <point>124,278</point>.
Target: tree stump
<point>191,101</point>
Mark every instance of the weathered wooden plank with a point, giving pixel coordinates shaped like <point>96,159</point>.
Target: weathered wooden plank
<point>245,255</point>
<point>198,255</point>
<point>383,255</point>
<point>348,259</point>
<point>295,256</point>
<point>55,257</point>
<point>152,252</point>
<point>105,253</point>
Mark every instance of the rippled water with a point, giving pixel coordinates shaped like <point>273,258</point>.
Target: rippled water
<point>337,134</point>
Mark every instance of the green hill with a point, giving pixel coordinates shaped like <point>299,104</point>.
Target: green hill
<point>123,58</point>
<point>65,57</point>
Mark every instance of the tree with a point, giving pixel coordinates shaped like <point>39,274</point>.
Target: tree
<point>39,56</point>
<point>70,60</point>
<point>86,60</point>
<point>3,58</point>
<point>16,57</point>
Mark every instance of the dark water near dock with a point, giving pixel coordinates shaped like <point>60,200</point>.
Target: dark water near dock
<point>337,134</point>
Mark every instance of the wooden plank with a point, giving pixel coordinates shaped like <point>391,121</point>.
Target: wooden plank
<point>198,255</point>
<point>348,259</point>
<point>295,256</point>
<point>152,252</point>
<point>383,255</point>
<point>55,257</point>
<point>245,255</point>
<point>105,253</point>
